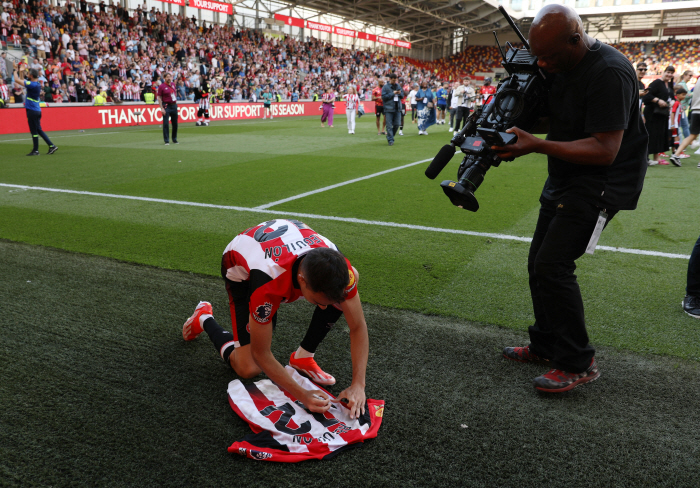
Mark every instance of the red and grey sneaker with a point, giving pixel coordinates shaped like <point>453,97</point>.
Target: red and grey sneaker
<point>192,328</point>
<point>558,381</point>
<point>309,368</point>
<point>523,355</point>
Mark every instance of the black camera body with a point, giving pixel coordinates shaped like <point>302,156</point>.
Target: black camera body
<point>518,101</point>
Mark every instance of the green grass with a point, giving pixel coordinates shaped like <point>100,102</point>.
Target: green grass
<point>100,390</point>
<point>630,300</point>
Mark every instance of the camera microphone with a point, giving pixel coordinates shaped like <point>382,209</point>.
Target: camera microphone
<point>440,161</point>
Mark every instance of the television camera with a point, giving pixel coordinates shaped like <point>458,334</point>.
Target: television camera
<point>518,102</point>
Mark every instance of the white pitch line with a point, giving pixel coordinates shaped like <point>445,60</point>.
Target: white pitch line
<point>338,185</point>
<point>338,219</point>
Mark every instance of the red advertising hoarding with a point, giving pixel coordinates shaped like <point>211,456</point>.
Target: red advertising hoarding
<point>57,117</point>
<point>293,21</point>
<point>342,31</point>
<point>404,44</point>
<point>386,40</point>
<point>319,27</point>
<point>366,36</point>
<point>176,2</point>
<point>224,8</point>
<point>681,31</point>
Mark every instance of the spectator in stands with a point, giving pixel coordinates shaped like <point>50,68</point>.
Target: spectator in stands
<point>656,114</point>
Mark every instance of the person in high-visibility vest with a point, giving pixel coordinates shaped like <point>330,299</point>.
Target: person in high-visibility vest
<point>149,98</point>
<point>100,99</point>
<point>33,107</point>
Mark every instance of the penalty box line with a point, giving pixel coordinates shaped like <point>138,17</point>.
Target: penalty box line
<point>338,185</point>
<point>397,225</point>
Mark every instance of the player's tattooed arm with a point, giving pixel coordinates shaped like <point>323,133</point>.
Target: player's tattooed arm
<point>359,350</point>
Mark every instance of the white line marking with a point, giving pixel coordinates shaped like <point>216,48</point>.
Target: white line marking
<point>338,219</point>
<point>338,185</point>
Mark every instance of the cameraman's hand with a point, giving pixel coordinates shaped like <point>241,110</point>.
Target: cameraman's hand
<point>526,144</point>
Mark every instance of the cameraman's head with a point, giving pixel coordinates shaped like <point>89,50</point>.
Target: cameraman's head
<point>323,276</point>
<point>557,38</point>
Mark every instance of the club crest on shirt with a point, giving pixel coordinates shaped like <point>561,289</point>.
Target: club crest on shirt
<point>262,312</point>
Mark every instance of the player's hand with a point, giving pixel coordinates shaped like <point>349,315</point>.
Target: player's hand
<point>356,399</point>
<point>526,144</point>
<point>316,401</point>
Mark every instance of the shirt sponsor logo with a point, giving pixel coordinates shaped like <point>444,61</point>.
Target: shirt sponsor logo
<point>262,312</point>
<point>259,455</point>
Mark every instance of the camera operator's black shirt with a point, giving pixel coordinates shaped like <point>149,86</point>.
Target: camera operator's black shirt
<point>599,95</point>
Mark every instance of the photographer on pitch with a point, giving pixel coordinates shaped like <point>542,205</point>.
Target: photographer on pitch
<point>596,151</point>
<point>392,94</point>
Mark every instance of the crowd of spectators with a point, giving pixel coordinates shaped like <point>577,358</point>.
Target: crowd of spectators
<point>85,49</point>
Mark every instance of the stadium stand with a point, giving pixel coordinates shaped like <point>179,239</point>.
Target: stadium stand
<point>84,50</point>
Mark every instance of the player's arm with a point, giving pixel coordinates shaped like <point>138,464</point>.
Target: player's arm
<point>359,351</point>
<point>260,343</point>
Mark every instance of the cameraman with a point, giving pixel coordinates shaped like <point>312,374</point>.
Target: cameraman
<point>596,150</point>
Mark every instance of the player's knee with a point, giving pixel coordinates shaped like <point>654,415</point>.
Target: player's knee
<point>246,370</point>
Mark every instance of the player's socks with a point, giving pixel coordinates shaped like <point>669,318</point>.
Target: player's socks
<point>222,339</point>
<point>321,322</point>
<point>303,353</point>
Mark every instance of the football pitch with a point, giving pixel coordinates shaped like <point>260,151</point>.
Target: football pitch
<point>108,245</point>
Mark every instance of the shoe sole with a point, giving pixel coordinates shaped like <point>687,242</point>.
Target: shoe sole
<point>313,376</point>
<point>688,313</point>
<point>676,163</point>
<point>570,387</point>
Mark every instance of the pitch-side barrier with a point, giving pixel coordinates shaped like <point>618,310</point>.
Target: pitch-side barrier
<point>77,116</point>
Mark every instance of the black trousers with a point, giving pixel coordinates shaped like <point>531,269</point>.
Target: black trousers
<point>462,114</point>
<point>563,231</point>
<point>693,286</point>
<point>34,120</point>
<point>170,113</point>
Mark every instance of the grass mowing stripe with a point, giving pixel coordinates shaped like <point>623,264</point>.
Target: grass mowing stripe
<point>152,128</point>
<point>338,185</point>
<point>623,250</point>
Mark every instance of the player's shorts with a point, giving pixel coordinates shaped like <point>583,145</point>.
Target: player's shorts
<point>695,124</point>
<point>203,112</point>
<point>441,108</point>
<point>378,110</point>
<point>239,304</point>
